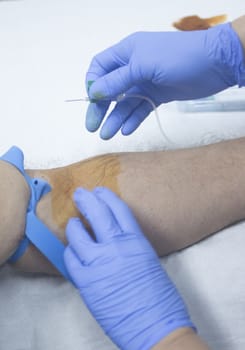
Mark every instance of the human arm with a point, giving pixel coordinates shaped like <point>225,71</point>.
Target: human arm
<point>163,66</point>
<point>179,197</point>
<point>120,279</point>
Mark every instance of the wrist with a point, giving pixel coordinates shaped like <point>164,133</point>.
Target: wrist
<point>239,27</point>
<point>33,261</point>
<point>167,332</point>
<point>182,338</point>
<point>228,54</point>
<point>238,50</point>
<point>158,315</point>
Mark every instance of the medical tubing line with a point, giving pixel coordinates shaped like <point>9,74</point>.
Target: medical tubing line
<point>121,97</point>
<point>148,99</point>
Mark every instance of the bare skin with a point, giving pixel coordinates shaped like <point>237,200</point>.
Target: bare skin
<point>13,201</point>
<point>175,195</point>
<point>182,339</point>
<point>155,184</point>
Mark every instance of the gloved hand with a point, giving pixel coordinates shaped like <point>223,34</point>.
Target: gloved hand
<point>163,66</point>
<point>119,275</point>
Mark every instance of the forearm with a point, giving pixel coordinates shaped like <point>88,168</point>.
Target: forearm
<point>182,196</point>
<point>182,339</point>
<point>179,197</point>
<point>239,26</point>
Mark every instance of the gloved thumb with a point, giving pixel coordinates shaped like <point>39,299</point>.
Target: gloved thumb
<point>111,85</point>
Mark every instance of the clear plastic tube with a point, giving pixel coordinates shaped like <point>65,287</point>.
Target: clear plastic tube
<point>121,97</point>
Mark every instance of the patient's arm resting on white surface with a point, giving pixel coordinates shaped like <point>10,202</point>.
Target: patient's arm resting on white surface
<point>179,197</point>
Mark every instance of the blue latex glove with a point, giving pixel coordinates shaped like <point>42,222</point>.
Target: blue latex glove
<point>163,66</point>
<point>119,275</point>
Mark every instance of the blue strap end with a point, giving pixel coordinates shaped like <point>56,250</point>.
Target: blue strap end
<point>48,244</point>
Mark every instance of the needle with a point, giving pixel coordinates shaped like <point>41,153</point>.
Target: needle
<point>86,99</point>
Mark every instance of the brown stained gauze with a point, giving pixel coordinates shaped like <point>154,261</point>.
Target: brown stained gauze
<point>197,23</point>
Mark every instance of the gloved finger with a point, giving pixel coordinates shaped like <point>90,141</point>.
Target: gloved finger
<point>98,214</point>
<point>137,117</point>
<point>75,228</point>
<point>95,114</point>
<point>80,240</point>
<point>107,61</point>
<point>101,64</point>
<point>74,266</point>
<point>120,210</point>
<point>118,115</point>
<point>112,84</point>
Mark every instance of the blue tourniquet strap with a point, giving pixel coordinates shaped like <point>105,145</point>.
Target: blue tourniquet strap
<point>46,242</point>
<point>36,231</point>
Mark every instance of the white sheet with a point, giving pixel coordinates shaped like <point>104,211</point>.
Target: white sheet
<point>45,48</point>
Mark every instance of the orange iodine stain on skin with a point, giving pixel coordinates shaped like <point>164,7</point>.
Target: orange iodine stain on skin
<point>58,205</point>
<point>197,23</point>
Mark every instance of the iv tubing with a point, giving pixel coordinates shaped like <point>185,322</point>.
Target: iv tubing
<point>121,97</point>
